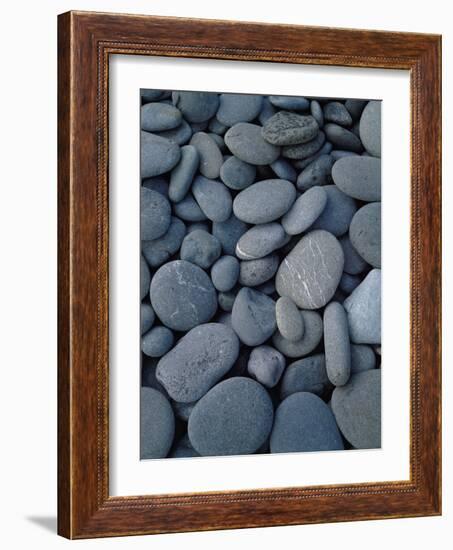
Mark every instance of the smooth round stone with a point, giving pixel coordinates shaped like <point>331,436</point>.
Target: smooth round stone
<point>234,108</point>
<point>156,117</point>
<point>225,273</point>
<point>158,184</point>
<point>336,112</point>
<point>284,170</point>
<point>160,250</point>
<point>183,173</point>
<point>200,248</point>
<point>317,172</point>
<point>253,316</point>
<point>216,127</point>
<point>157,342</point>
<point>342,138</point>
<point>264,201</point>
<point>349,282</point>
<point>304,212</point>
<point>365,233</point>
<point>182,295</point>
<point>307,375</point>
<point>150,95</point>
<point>196,106</point>
<point>147,317</point>
<point>359,177</point>
<point>353,262</point>
<point>312,322</point>
<point>289,102</point>
<point>364,310</point>
<point>338,212</point>
<point>286,128</point>
<point>213,198</point>
<point>226,300</point>
<point>370,128</point>
<point>304,150</point>
<point>211,158</point>
<point>233,418</point>
<point>157,424</point>
<point>260,240</point>
<point>199,359</point>
<point>228,233</point>
<point>183,449</point>
<point>336,344</point>
<point>256,272</point>
<point>303,422</point>
<point>357,409</point>
<point>145,278</point>
<point>362,358</point>
<point>266,365</point>
<point>245,141</point>
<point>157,155</point>
<point>237,174</point>
<point>310,273</point>
<point>179,135</point>
<point>316,112</point>
<point>267,110</point>
<point>155,214</point>
<point>188,209</point>
<point>290,322</point>
<point>355,107</point>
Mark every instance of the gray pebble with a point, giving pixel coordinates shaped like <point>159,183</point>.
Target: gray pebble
<point>213,198</point>
<point>228,233</point>
<point>336,112</point>
<point>260,240</point>
<point>304,212</point>
<point>196,106</point>
<point>317,172</point>
<point>362,358</point>
<point>256,272</point>
<point>157,424</point>
<point>150,95</point>
<point>198,361</point>
<point>307,375</point>
<point>349,282</point>
<point>155,214</point>
<point>253,316</point>
<point>183,173</point>
<point>157,342</point>
<point>338,154</point>
<point>158,184</point>
<point>303,422</point>
<point>211,158</point>
<point>312,336</point>
<point>336,344</point>
<point>286,128</point>
<point>226,300</point>
<point>266,365</point>
<point>359,177</point>
<point>290,322</point>
<point>245,141</point>
<point>157,155</point>
<point>145,278</point>
<point>284,170</point>
<point>237,174</point>
<point>294,103</point>
<point>180,135</point>
<point>188,209</point>
<point>225,273</point>
<point>219,141</point>
<point>370,128</point>
<point>365,233</point>
<point>305,150</point>
<point>353,262</point>
<point>316,112</point>
<point>200,248</point>
<point>160,250</point>
<point>301,164</point>
<point>146,317</point>
<point>156,117</point>
<point>182,295</point>
<point>343,138</point>
<point>267,110</point>
<point>338,212</point>
<point>236,108</point>
<point>267,288</point>
<point>233,418</point>
<point>355,107</point>
<point>217,127</point>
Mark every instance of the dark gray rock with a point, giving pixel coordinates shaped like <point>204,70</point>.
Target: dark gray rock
<point>237,174</point>
<point>267,288</point>
<point>211,158</point>
<point>228,233</point>
<point>303,422</point>
<point>236,108</point>
<point>260,240</point>
<point>264,201</point>
<point>365,233</point>
<point>284,170</point>
<point>362,358</point>
<point>157,424</point>
<point>336,112</point>
<point>219,141</point>
<point>336,344</point>
<point>182,295</point>
<point>155,214</point>
<point>226,299</point>
<point>359,177</point>
<point>198,361</point>
<point>338,154</point>
<point>305,211</point>
<point>338,212</point>
<point>213,198</point>
<point>266,365</point>
<point>196,106</point>
<point>370,128</point>
<point>355,107</point>
<point>256,272</point>
<point>157,342</point>
<point>253,316</point>
<point>188,209</point>
<point>353,262</point>
<point>183,173</point>
<point>146,317</point>
<point>158,184</point>
<point>225,319</point>
<point>312,336</point>
<point>194,226</point>
<point>357,409</point>
<point>316,112</point>
<point>183,410</point>
<point>286,128</point>
<point>145,278</point>
<point>200,248</point>
<point>157,155</point>
<point>306,375</point>
<point>318,172</point>
<point>301,164</point>
<point>267,110</point>
<point>160,250</point>
<point>148,374</point>
<point>180,135</point>
<point>245,141</point>
<point>342,138</point>
<point>294,103</point>
<point>225,273</point>
<point>217,127</point>
<point>183,449</point>
<point>156,117</point>
<point>150,95</point>
<point>290,322</point>
<point>305,150</point>
<point>310,273</point>
<point>349,282</point>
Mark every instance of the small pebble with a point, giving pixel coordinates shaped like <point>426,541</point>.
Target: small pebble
<point>213,198</point>
<point>188,209</point>
<point>157,342</point>
<point>336,112</point>
<point>200,248</point>
<point>236,108</point>
<point>228,233</point>
<point>158,155</point>
<point>225,273</point>
<point>160,250</point>
<point>318,172</point>
<point>338,212</point>
<point>312,322</point>
<point>253,316</point>
<point>316,112</point>
<point>353,262</point>
<point>183,173</point>
<point>289,102</point>
<point>359,177</point>
<point>336,344</point>
<point>260,240</point>
<point>156,117</point>
<point>307,375</point>
<point>211,158</point>
<point>290,322</point>
<point>343,138</point>
<point>370,128</point>
<point>362,358</point>
<point>256,272</point>
<point>157,424</point>
<point>305,211</point>
<point>266,365</point>
<point>284,170</point>
<point>365,233</point>
<point>179,135</point>
<point>245,141</point>
<point>196,106</point>
<point>155,214</point>
<point>237,174</point>
<point>147,317</point>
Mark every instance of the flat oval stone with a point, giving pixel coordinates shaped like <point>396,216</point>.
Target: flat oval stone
<point>200,248</point>
<point>365,233</point>
<point>245,141</point>
<point>290,322</point>
<point>183,173</point>
<point>318,172</point>
<point>364,310</point>
<point>160,250</point>
<point>264,201</point>
<point>303,422</point>
<point>145,278</point>
<point>179,135</point>
<point>305,150</point>
<point>228,233</point>
<point>306,375</point>
<point>310,273</point>
<point>337,213</point>
<point>266,365</point>
<point>233,418</point>
<point>312,322</point>
<point>157,342</point>
<point>316,112</point>
<point>158,184</point>
<point>157,424</point>
<point>188,209</point>
<point>157,155</point>
<point>362,358</point>
<point>370,128</point>
<point>305,211</point>
<point>336,112</point>
<point>359,177</point>
<point>336,344</point>
<point>237,174</point>
<point>234,108</point>
<point>284,170</point>
<point>225,273</point>
<point>155,214</point>
<point>295,103</point>
<point>147,317</point>
<point>253,316</point>
<point>196,106</point>
<point>343,138</point>
<point>198,361</point>
<point>286,128</point>
<point>256,272</point>
<point>182,295</point>
<point>260,240</point>
<point>211,158</point>
<point>357,409</point>
<point>353,262</point>
<point>213,198</point>
<point>156,117</point>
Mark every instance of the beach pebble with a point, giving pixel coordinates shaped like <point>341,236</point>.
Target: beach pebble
<point>199,359</point>
<point>306,375</point>
<point>286,128</point>
<point>157,341</point>
<point>316,112</point>
<point>228,233</point>
<point>253,316</point>
<point>342,138</point>
<point>245,141</point>
<point>256,272</point>
<point>260,240</point>
<point>336,112</point>
<point>156,117</point>
<point>289,102</point>
<point>160,250</point>
<point>312,322</point>
<point>338,212</point>
<point>237,174</point>
<point>267,110</point>
<point>266,365</point>
<point>213,198</point>
<point>183,173</point>
<point>359,177</point>
<point>157,155</point>
<point>226,300</point>
<point>196,106</point>
<point>365,233</point>
<point>362,358</point>
<point>353,262</point>
<point>317,172</point>
<point>179,135</point>
<point>157,424</point>
<point>145,278</point>
<point>147,317</point>
<point>155,214</point>
<point>370,128</point>
<point>217,127</point>
<point>349,282</point>
<point>188,209</point>
<point>211,158</point>
<point>336,344</point>
<point>234,108</point>
<point>290,322</point>
<point>304,212</point>
<point>284,170</point>
<point>225,273</point>
<point>158,184</point>
<point>304,150</point>
<point>200,248</point>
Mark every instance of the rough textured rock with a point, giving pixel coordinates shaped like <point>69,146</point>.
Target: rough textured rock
<point>266,365</point>
<point>253,316</point>
<point>157,424</point>
<point>312,336</point>
<point>306,375</point>
<point>200,248</point>
<point>160,250</point>
<point>336,344</point>
<point>304,212</point>
<point>359,177</point>
<point>365,233</point>
<point>290,322</point>
<point>158,155</point>
<point>245,141</point>
<point>285,128</point>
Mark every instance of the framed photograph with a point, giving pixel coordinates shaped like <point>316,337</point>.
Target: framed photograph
<point>249,275</point>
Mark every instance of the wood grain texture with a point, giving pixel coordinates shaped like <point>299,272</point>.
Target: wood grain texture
<point>85,42</point>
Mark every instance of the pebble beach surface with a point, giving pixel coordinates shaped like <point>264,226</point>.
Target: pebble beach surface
<point>260,274</point>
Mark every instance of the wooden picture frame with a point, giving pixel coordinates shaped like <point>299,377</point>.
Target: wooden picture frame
<point>85,41</point>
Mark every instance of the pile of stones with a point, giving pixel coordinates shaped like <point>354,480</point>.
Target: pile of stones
<point>260,274</point>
